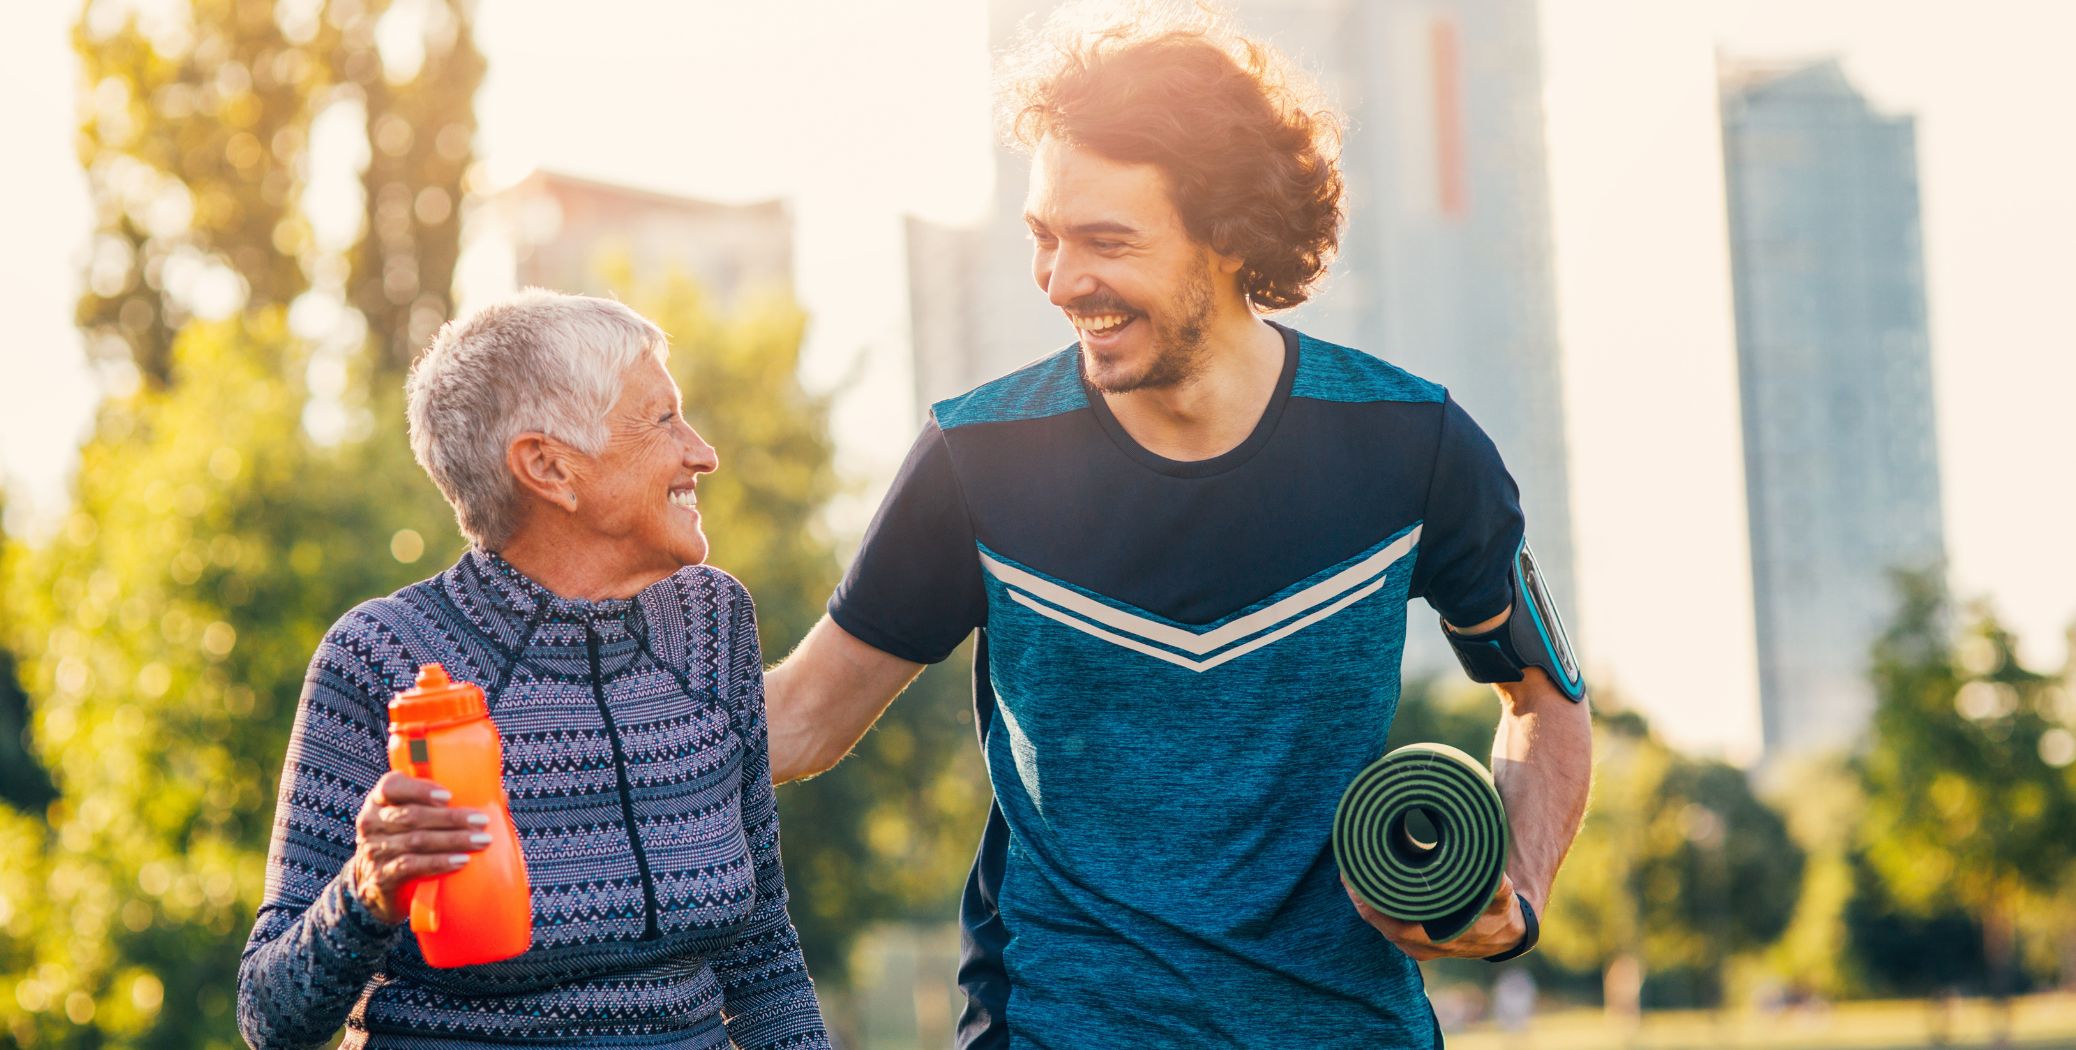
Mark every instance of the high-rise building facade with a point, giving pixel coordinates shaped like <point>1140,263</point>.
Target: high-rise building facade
<point>1445,264</point>
<point>1835,371</point>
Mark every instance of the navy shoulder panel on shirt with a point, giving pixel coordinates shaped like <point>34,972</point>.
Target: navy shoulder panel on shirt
<point>1048,386</point>
<point>1328,372</point>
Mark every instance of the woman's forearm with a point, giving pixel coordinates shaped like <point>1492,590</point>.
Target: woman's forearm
<point>768,998</point>
<point>296,986</point>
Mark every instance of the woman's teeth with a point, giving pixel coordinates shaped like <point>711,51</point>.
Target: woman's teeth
<point>688,499</point>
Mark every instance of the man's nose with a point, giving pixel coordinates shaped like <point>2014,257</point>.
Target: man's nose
<point>1066,280</point>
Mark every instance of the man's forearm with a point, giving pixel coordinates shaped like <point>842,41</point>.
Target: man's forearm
<point>1542,761</point>
<point>823,698</point>
<point>798,748</point>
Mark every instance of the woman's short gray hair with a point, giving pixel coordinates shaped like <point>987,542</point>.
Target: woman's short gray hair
<point>537,362</point>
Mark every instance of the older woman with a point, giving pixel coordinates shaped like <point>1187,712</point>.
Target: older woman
<point>626,681</point>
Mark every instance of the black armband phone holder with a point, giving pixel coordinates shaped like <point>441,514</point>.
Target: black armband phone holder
<point>1531,636</point>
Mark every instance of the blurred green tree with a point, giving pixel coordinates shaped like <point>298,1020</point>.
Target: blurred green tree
<point>1448,710</point>
<point>172,619</point>
<point>1678,867</point>
<point>421,125</point>
<point>194,134</point>
<point>1894,949</point>
<point>1850,937</point>
<point>888,835</point>
<point>23,783</point>
<point>1971,793</point>
<point>1821,800</point>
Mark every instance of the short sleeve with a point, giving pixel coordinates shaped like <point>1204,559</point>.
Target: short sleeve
<point>1472,526</point>
<point>914,590</point>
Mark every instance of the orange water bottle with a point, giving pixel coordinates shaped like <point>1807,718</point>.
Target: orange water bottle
<point>441,731</point>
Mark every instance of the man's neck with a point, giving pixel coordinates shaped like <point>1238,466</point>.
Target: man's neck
<point>1212,412</point>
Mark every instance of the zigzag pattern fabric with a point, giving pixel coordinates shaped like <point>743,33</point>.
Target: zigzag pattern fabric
<point>637,766</point>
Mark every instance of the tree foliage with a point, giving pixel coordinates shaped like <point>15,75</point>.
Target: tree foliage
<point>173,618</point>
<point>420,124</point>
<point>1677,868</point>
<point>1821,800</point>
<point>196,136</point>
<point>23,783</point>
<point>1971,794</point>
<point>1452,711</point>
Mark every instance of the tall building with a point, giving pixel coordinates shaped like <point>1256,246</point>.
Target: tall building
<point>563,229</point>
<point>1445,265</point>
<point>1835,369</point>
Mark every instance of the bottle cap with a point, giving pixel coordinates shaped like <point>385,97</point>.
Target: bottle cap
<point>437,700</point>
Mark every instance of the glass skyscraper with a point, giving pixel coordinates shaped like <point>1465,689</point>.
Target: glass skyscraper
<point>1835,370</point>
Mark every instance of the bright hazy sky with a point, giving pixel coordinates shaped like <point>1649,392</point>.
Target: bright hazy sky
<point>861,112</point>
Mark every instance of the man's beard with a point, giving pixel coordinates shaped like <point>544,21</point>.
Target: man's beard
<point>1178,351</point>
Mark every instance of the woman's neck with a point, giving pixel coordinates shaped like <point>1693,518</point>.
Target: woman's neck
<point>586,569</point>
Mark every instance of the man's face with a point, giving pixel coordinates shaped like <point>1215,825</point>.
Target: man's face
<point>1112,253</point>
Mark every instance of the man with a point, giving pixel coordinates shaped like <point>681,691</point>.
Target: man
<point>1188,542</point>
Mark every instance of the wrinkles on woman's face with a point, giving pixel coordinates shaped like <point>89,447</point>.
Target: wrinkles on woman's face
<point>640,492</point>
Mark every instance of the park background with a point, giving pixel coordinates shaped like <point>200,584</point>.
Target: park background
<point>228,226</point>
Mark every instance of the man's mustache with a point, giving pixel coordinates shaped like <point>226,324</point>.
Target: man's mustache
<point>1099,303</point>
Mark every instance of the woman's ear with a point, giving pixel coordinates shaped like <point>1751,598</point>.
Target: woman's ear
<point>544,467</point>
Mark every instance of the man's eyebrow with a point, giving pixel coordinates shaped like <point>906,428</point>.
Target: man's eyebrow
<point>1089,229</point>
<point>1112,226</point>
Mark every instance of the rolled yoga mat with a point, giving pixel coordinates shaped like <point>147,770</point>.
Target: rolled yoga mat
<point>1421,836</point>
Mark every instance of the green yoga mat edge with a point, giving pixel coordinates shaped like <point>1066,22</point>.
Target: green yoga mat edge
<point>1446,888</point>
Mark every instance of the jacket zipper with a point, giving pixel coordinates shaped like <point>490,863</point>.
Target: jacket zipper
<point>634,840</point>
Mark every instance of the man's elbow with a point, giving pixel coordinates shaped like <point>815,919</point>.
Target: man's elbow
<point>800,767</point>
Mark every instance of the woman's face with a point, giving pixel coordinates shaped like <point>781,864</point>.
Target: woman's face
<point>638,494</point>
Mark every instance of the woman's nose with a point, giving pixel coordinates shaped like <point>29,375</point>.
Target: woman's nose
<point>701,456</point>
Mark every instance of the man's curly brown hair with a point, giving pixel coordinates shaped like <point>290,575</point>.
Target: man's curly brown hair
<point>1251,156</point>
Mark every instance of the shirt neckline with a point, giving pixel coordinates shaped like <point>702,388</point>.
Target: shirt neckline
<point>1264,428</point>
<point>524,595</point>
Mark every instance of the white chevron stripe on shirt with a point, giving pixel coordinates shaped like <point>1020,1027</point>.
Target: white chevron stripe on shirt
<point>1132,631</point>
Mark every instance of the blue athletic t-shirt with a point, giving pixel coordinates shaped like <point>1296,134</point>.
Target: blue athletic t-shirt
<point>1181,666</point>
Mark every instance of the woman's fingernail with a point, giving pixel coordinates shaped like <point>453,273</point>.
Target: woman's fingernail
<point>441,794</point>
<point>480,838</point>
<point>458,859</point>
<point>480,819</point>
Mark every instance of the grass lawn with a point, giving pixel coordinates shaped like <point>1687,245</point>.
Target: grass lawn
<point>2037,1023</point>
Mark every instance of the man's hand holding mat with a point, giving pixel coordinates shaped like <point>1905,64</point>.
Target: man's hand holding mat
<point>1421,840</point>
<point>1499,928</point>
